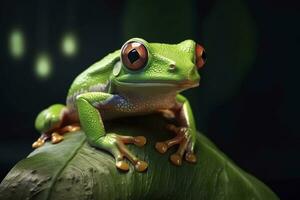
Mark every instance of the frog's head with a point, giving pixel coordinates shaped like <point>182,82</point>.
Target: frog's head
<point>146,64</point>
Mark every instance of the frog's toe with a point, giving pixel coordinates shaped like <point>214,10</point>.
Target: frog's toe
<point>190,157</point>
<point>138,140</point>
<point>141,166</point>
<point>40,142</point>
<point>161,147</point>
<point>56,138</point>
<point>122,165</point>
<point>176,159</point>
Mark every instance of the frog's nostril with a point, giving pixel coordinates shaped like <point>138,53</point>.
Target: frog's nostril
<point>172,67</point>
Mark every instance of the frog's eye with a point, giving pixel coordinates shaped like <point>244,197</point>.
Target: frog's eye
<point>134,55</point>
<point>200,56</point>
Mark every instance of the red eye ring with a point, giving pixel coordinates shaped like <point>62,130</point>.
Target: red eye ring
<point>200,56</point>
<point>134,55</point>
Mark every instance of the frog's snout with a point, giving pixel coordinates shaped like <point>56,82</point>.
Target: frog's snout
<point>187,75</point>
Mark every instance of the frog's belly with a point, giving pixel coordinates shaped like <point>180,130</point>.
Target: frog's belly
<point>134,106</point>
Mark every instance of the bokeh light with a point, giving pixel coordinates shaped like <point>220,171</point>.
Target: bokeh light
<point>69,44</point>
<point>16,43</point>
<point>43,66</point>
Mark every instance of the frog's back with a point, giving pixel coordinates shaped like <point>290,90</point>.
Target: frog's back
<point>95,78</point>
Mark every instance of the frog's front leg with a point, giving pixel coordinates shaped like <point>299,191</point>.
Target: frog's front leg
<point>185,134</point>
<point>92,124</point>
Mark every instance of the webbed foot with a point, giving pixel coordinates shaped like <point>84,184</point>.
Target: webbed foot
<point>69,128</point>
<point>116,144</point>
<point>185,145</point>
<point>56,136</point>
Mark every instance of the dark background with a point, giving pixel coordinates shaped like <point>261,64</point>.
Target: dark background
<point>248,100</point>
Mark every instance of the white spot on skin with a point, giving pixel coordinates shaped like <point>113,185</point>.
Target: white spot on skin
<point>117,68</point>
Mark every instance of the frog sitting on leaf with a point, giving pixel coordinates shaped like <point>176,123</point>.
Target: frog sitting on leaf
<point>140,79</point>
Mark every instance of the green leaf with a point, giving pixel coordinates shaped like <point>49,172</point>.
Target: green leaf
<point>73,169</point>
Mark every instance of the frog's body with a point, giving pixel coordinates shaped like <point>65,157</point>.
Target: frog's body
<point>139,79</point>
<point>133,103</point>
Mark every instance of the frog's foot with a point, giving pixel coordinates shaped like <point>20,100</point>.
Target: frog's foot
<point>40,142</point>
<point>184,145</point>
<point>116,145</point>
<point>69,128</point>
<point>57,137</point>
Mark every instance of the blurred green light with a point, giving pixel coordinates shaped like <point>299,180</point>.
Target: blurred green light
<point>43,66</point>
<point>17,43</point>
<point>69,44</point>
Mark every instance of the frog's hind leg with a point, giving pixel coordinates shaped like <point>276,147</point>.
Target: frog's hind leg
<point>49,123</point>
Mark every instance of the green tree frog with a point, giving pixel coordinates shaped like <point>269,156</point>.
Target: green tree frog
<point>139,79</point>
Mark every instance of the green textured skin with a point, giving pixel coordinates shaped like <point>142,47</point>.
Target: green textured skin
<point>88,113</point>
<point>74,170</point>
<point>49,117</point>
<point>109,90</point>
<point>160,58</point>
<point>97,73</point>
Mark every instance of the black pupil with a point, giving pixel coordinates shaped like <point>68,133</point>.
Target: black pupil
<point>133,55</point>
<point>203,56</point>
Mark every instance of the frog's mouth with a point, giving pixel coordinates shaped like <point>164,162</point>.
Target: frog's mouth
<point>186,84</point>
<point>189,84</point>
